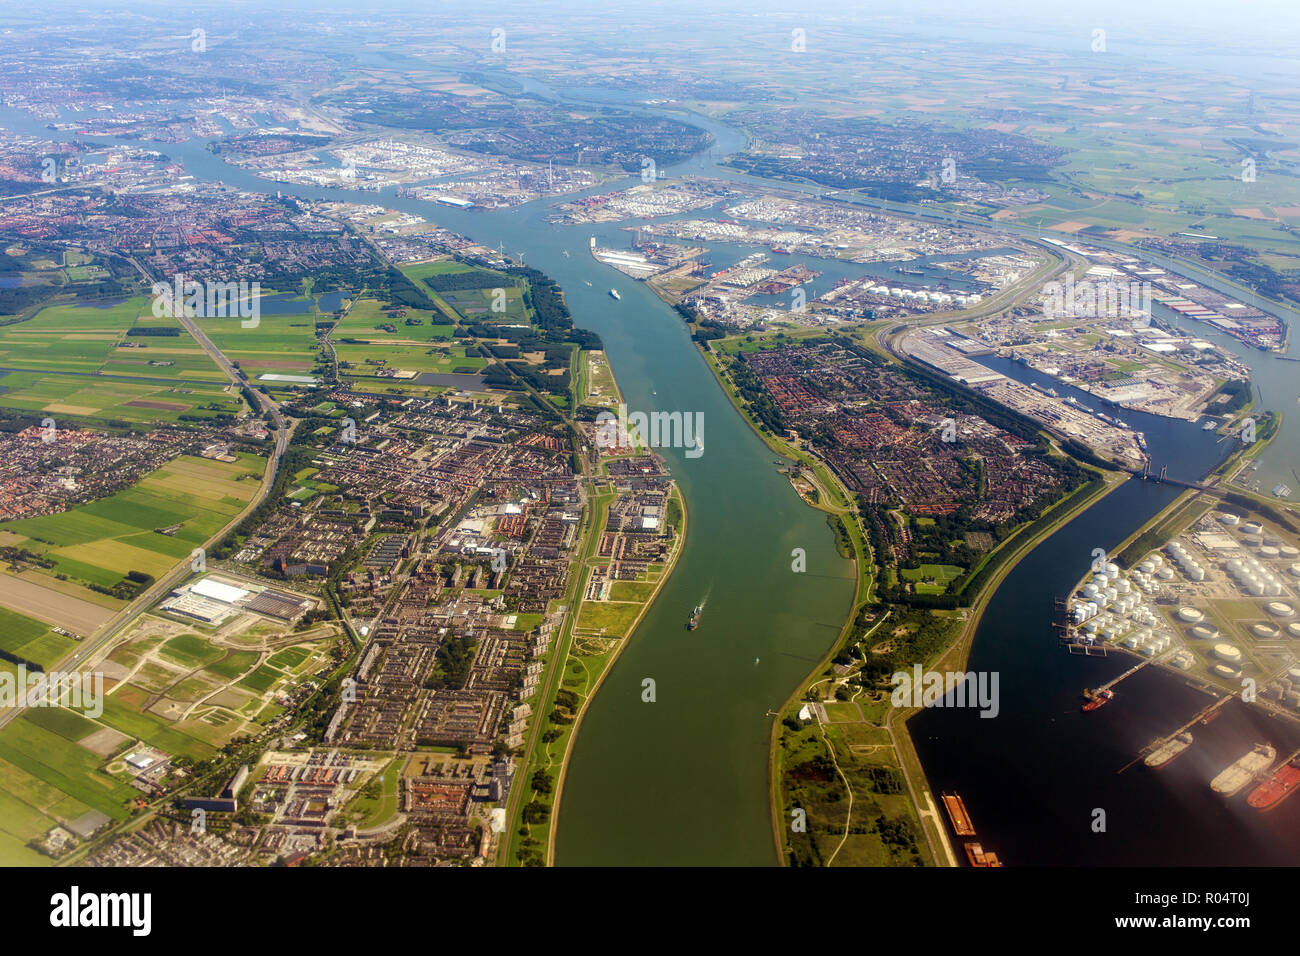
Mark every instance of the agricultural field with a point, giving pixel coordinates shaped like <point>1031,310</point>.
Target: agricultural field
<point>93,339</point>
<point>183,693</point>
<point>365,318</point>
<point>284,344</point>
<point>77,396</point>
<point>492,298</point>
<point>31,640</point>
<point>98,542</point>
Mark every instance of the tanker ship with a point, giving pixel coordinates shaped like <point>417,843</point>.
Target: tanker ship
<point>1284,782</point>
<point>1234,779</point>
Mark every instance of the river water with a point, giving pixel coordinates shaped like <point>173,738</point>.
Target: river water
<point>683,780</point>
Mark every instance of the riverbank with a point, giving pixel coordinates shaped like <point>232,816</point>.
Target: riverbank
<point>583,661</point>
<point>855,723</point>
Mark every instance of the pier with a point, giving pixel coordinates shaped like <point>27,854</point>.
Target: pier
<point>1204,716</point>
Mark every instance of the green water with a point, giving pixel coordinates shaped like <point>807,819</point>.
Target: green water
<point>684,780</point>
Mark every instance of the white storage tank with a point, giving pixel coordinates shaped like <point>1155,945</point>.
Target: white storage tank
<point>1227,653</point>
<point>1190,615</point>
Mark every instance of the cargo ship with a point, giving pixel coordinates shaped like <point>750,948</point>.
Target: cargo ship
<point>1284,782</point>
<point>1098,699</point>
<point>1231,781</point>
<point>614,294</point>
<point>1167,751</point>
<point>975,853</point>
<point>961,824</point>
<point>694,622</point>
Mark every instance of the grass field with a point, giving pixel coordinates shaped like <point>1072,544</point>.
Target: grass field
<point>81,396</point>
<point>30,639</point>
<point>98,542</point>
<point>92,338</point>
<point>284,344</point>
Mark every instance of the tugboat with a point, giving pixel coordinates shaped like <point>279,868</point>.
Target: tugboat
<point>1097,700</point>
<point>694,622</point>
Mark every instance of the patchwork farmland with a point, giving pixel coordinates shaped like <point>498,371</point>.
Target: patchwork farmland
<point>147,528</point>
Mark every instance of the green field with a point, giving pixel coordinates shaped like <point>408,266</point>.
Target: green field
<point>31,639</point>
<point>283,344</point>
<point>98,542</point>
<point>94,339</point>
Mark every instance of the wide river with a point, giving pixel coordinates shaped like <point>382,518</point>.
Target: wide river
<point>684,780</point>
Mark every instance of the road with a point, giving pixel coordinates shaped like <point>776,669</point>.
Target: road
<point>125,617</point>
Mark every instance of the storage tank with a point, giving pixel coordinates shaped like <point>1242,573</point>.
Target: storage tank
<point>1293,628</point>
<point>1264,630</point>
<point>1190,615</point>
<point>1223,670</point>
<point>1280,609</point>
<point>1227,653</point>
<point>1288,552</point>
<point>1231,520</point>
<point>1268,552</point>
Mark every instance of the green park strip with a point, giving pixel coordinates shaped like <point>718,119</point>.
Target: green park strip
<point>589,643</point>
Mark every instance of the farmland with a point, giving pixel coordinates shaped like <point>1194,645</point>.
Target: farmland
<point>96,543</point>
<point>182,693</point>
<point>115,362</point>
<point>98,339</point>
<point>283,344</point>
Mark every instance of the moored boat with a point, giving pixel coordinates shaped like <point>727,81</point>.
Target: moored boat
<point>1284,782</point>
<point>1235,777</point>
<point>1167,751</point>
<point>1097,700</point>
